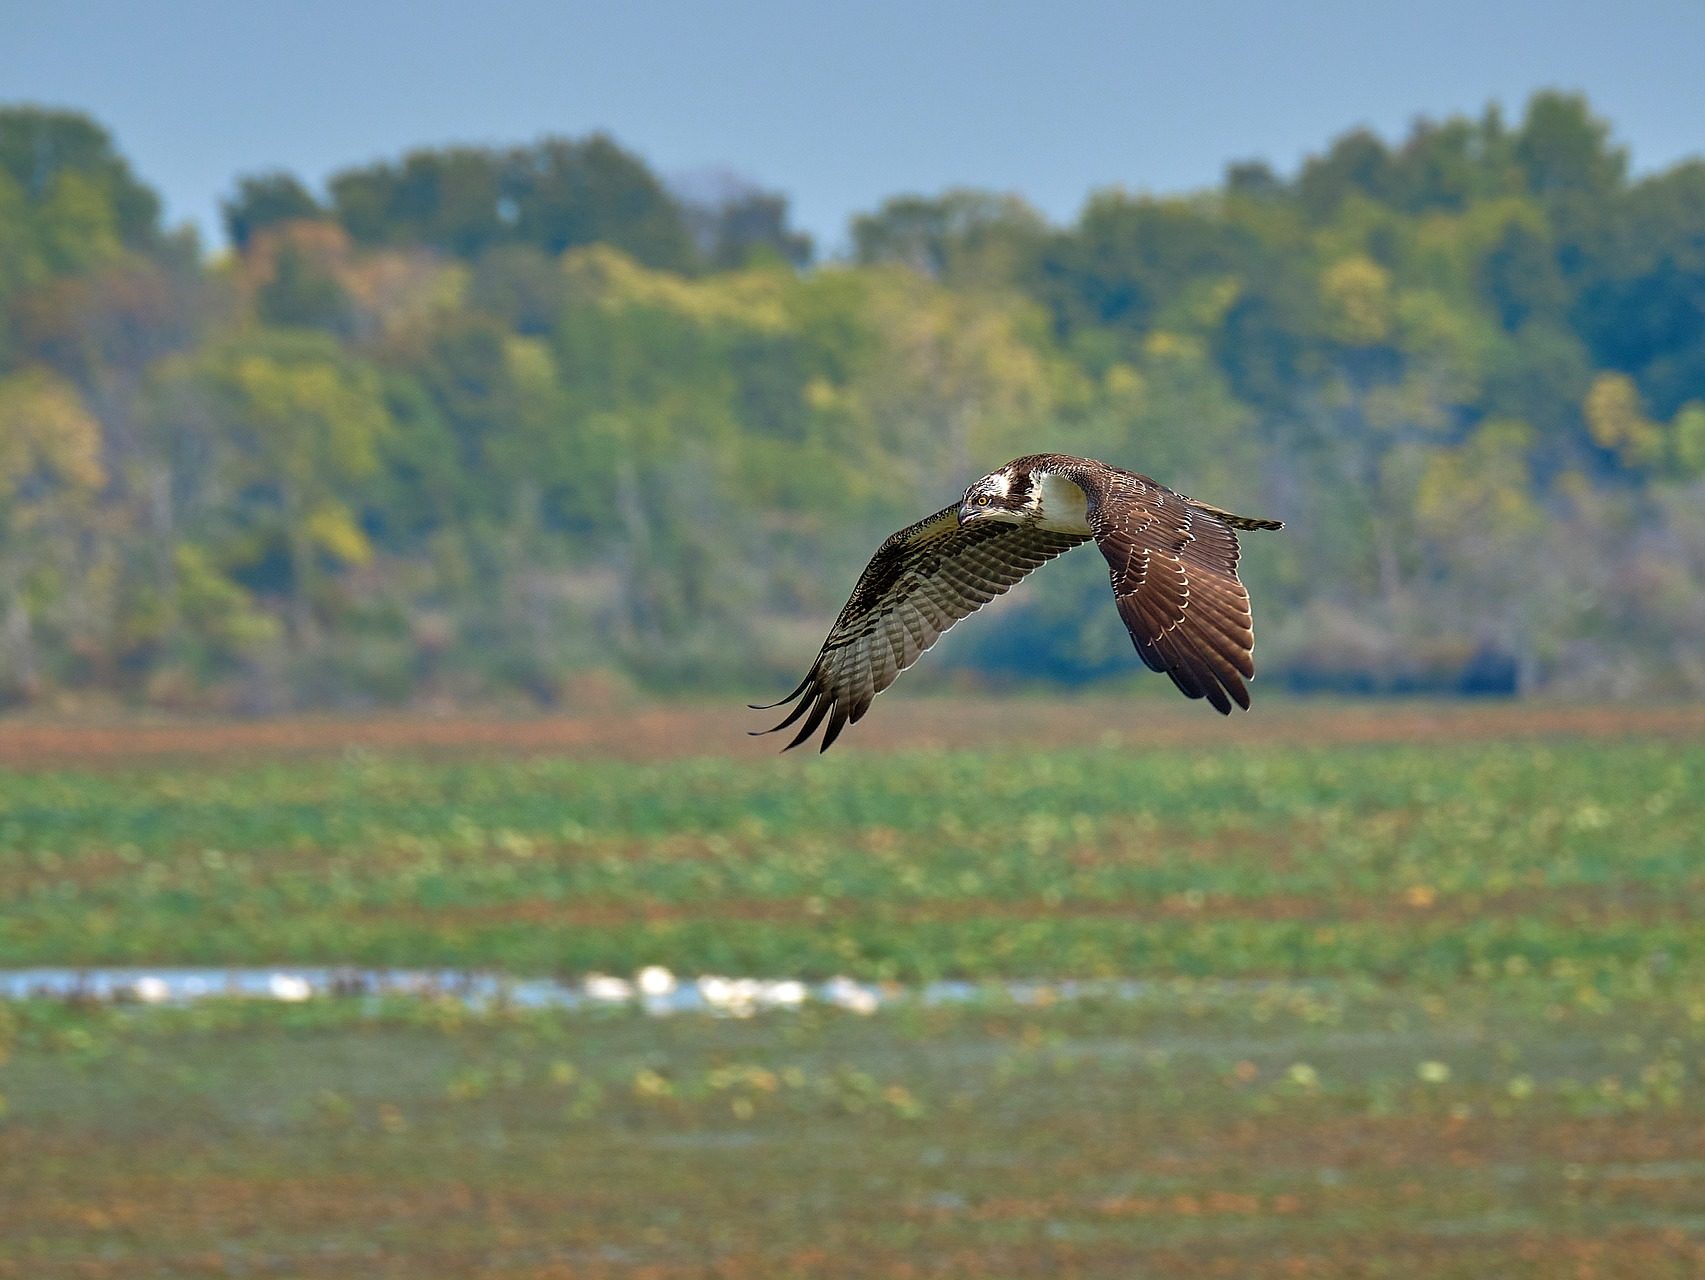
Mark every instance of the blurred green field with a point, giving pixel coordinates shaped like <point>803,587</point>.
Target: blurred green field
<point>1422,863</point>
<point>1419,1009</point>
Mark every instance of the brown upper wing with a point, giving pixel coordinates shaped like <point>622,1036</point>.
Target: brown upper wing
<point>1173,565</point>
<point>917,585</point>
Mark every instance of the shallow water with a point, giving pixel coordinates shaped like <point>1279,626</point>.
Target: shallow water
<point>653,990</point>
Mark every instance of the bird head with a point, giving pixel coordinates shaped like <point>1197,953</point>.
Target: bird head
<point>1000,495</point>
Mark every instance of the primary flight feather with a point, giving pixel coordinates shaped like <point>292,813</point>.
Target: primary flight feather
<point>1172,561</point>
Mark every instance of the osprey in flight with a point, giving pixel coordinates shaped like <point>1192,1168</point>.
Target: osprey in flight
<point>1173,564</point>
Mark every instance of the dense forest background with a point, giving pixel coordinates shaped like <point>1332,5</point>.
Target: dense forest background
<point>493,425</point>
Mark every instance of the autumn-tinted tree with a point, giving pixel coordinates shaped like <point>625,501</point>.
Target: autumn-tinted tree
<point>291,424</point>
<point>50,472</point>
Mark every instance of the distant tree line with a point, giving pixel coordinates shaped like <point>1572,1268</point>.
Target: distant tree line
<point>489,423</point>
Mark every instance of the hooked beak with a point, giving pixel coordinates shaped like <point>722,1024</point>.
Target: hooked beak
<point>967,513</point>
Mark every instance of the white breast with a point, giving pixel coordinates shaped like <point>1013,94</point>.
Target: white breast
<point>1063,505</point>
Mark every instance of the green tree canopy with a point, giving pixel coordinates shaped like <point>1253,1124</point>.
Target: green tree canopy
<point>265,200</point>
<point>556,194</point>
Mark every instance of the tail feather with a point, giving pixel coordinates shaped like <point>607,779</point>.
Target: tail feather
<point>1236,521</point>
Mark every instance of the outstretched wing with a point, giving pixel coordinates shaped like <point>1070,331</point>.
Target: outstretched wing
<point>1173,565</point>
<point>917,585</point>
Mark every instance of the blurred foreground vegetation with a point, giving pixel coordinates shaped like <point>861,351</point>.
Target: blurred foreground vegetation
<point>1408,1009</point>
<point>1325,1131</point>
<point>473,423</point>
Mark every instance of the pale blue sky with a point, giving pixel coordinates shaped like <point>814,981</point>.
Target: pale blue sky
<point>841,104</point>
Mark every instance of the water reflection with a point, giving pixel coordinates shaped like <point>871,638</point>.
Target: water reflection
<point>653,990</point>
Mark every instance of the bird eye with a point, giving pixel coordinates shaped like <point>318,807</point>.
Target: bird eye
<point>983,500</point>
